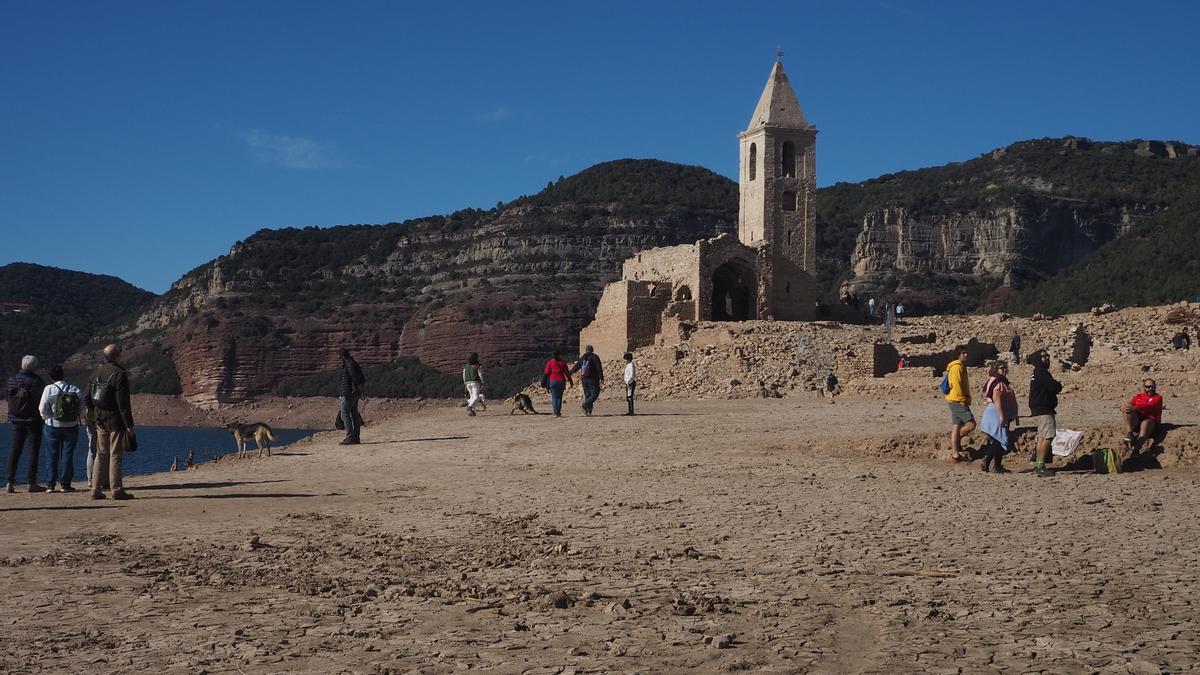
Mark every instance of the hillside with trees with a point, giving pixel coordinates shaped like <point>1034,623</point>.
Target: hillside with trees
<point>51,312</point>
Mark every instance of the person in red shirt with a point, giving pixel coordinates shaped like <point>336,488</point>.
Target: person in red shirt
<point>557,375</point>
<point>1143,414</point>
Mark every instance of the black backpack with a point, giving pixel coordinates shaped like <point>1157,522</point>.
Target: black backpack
<point>103,395</point>
<point>20,399</point>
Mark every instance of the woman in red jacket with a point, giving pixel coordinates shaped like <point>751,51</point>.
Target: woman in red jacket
<point>558,376</point>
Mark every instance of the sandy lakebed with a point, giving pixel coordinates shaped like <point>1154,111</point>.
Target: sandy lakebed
<point>774,535</point>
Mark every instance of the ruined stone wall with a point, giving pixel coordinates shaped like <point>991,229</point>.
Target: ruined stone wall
<point>629,316</point>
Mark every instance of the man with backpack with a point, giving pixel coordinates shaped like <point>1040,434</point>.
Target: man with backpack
<point>60,408</point>
<point>108,399</point>
<point>958,397</point>
<point>23,392</point>
<point>591,376</point>
<point>350,391</point>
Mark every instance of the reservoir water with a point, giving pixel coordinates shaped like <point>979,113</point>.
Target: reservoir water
<point>156,448</point>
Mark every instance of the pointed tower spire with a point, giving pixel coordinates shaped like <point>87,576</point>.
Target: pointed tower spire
<point>778,105</point>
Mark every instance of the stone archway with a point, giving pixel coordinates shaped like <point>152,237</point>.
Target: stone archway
<point>734,292</point>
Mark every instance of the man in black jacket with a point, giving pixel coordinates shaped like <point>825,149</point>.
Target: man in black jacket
<point>108,399</point>
<point>24,391</point>
<point>1043,403</point>
<point>350,391</point>
<point>591,376</point>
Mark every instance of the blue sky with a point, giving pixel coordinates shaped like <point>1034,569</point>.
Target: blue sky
<point>142,139</point>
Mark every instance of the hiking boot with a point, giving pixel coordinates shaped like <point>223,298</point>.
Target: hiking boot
<point>1000,469</point>
<point>1042,472</point>
<point>1130,441</point>
<point>348,441</point>
<point>122,495</point>
<point>9,488</point>
<point>98,495</point>
<point>34,487</point>
<point>67,488</point>
<point>470,413</point>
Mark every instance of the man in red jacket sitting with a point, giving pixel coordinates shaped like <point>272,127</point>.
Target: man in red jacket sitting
<point>1143,414</point>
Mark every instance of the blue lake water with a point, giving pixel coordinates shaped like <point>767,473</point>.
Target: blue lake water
<point>157,446</point>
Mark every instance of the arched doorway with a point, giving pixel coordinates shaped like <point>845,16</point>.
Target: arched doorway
<point>734,292</point>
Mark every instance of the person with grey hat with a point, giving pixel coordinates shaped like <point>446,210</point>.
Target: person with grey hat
<point>24,391</point>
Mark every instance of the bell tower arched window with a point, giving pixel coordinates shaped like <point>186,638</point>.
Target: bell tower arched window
<point>789,159</point>
<point>753,161</point>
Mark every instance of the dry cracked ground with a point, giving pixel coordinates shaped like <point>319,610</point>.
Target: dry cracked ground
<point>710,536</point>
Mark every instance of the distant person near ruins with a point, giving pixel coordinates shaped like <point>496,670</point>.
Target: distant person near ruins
<point>1182,340</point>
<point>1000,412</point>
<point>1043,405</point>
<point>1143,415</point>
<point>350,392</point>
<point>871,308</point>
<point>630,380</point>
<point>473,381</point>
<point>108,399</point>
<point>591,377</point>
<point>959,401</point>
<point>831,386</point>
<point>61,408</point>
<point>557,375</point>
<point>23,392</point>
<point>1014,348</point>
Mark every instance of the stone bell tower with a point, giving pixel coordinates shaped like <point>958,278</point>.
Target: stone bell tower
<point>777,187</point>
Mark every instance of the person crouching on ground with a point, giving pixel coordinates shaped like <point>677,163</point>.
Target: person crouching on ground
<point>558,377</point>
<point>1001,410</point>
<point>1142,414</point>
<point>1043,405</point>
<point>959,401</point>
<point>473,381</point>
<point>630,380</point>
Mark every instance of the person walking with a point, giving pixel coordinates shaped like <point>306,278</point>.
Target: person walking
<point>1014,348</point>
<point>350,392</point>
<point>60,408</point>
<point>473,381</point>
<point>1043,405</point>
<point>630,381</point>
<point>591,376</point>
<point>108,398</point>
<point>558,378</point>
<point>959,401</point>
<point>23,392</point>
<point>1000,412</point>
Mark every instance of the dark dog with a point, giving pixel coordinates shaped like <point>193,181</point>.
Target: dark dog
<point>523,403</point>
<point>259,431</point>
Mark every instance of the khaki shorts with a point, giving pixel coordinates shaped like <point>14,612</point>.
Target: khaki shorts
<point>1045,426</point>
<point>960,414</point>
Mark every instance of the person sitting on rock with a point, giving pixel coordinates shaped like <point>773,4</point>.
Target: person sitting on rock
<point>1143,415</point>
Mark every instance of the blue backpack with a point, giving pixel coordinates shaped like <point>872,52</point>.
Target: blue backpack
<point>945,384</point>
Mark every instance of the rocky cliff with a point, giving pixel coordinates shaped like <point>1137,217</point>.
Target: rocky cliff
<point>510,283</point>
<point>964,236</point>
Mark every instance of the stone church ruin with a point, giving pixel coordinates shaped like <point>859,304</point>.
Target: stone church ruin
<point>767,272</point>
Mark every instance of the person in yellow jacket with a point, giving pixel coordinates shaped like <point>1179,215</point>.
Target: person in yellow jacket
<point>959,400</point>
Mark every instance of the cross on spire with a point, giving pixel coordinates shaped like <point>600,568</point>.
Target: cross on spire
<point>778,52</point>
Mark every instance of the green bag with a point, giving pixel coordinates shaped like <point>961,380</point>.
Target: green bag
<point>1105,461</point>
<point>65,406</point>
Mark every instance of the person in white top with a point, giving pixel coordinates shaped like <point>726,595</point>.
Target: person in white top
<point>60,408</point>
<point>630,381</point>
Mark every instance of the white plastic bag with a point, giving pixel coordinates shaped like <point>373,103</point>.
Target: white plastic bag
<point>1065,442</point>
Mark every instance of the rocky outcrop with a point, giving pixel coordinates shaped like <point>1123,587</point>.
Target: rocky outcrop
<point>901,254</point>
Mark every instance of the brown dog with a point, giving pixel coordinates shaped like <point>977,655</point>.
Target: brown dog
<point>259,431</point>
